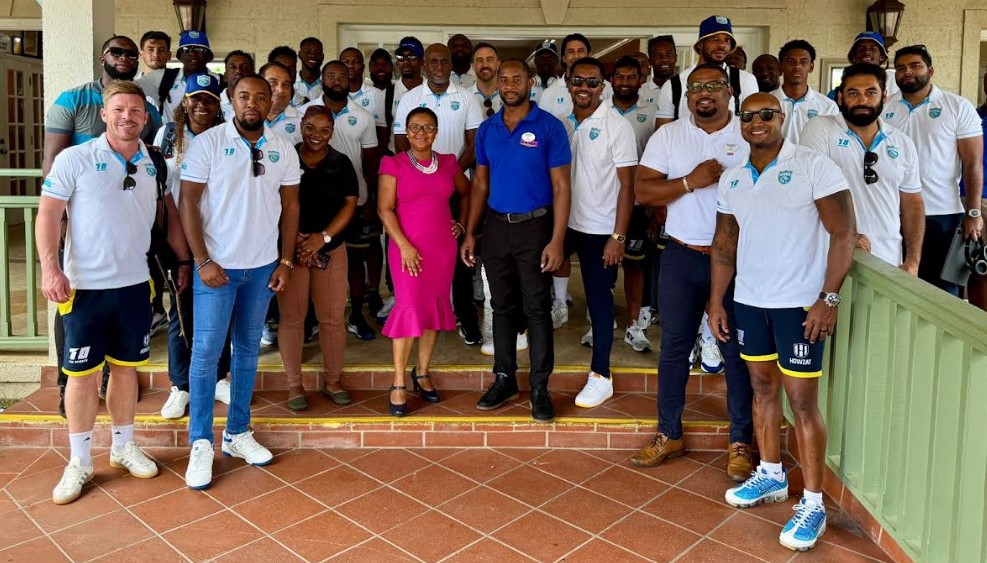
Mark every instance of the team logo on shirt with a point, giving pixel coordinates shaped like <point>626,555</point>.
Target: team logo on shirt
<point>454,106</point>
<point>151,170</point>
<point>365,102</point>
<point>202,80</point>
<point>274,156</point>
<point>733,184</point>
<point>351,120</point>
<point>289,128</point>
<point>812,113</point>
<point>800,350</point>
<point>893,152</point>
<point>935,112</point>
<point>528,140</point>
<point>641,118</point>
<point>100,167</point>
<point>785,176</point>
<point>594,133</point>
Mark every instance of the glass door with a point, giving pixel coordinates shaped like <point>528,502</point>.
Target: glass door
<point>21,123</point>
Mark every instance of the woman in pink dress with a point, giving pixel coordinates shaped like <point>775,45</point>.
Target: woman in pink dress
<point>413,202</point>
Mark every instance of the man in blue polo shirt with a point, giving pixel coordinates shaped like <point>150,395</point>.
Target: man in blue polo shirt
<point>522,174</point>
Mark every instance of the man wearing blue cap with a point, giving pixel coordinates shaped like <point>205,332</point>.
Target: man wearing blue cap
<point>869,48</point>
<point>167,86</point>
<point>546,64</point>
<point>715,43</point>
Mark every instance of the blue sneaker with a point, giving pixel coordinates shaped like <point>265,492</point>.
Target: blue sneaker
<point>804,529</point>
<point>759,487</point>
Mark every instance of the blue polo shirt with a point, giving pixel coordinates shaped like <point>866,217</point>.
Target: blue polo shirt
<point>520,160</point>
<point>982,112</point>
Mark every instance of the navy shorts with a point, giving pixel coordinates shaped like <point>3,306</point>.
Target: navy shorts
<point>777,335</point>
<point>106,325</point>
<point>638,246</point>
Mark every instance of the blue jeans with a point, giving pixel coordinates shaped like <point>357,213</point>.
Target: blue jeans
<point>180,341</point>
<point>244,299</point>
<point>684,283</point>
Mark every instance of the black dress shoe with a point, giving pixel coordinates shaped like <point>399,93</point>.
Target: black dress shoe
<point>503,389</point>
<point>541,405</point>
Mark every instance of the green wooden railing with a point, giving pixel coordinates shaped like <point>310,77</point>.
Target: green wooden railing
<point>905,401</point>
<point>23,336</point>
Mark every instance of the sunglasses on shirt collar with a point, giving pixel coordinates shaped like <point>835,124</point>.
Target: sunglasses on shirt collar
<point>129,183</point>
<point>870,175</point>
<point>258,168</point>
<point>488,103</point>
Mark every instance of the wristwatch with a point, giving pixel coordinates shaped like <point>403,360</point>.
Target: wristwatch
<point>618,237</point>
<point>326,238</point>
<point>830,299</point>
<point>974,213</point>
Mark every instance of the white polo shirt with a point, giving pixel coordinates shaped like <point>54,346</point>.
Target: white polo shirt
<point>240,212</point>
<point>464,80</point>
<point>109,228</point>
<point>353,131</point>
<point>225,105</point>
<point>372,100</point>
<point>783,247</point>
<point>666,109</point>
<point>641,116</point>
<point>675,150</point>
<point>601,144</point>
<point>537,89</point>
<point>649,92</point>
<point>557,101</point>
<point>305,92</point>
<point>288,124</point>
<point>935,125</point>
<point>495,102</point>
<point>399,91</point>
<point>799,112</point>
<point>457,110</point>
<point>878,205</point>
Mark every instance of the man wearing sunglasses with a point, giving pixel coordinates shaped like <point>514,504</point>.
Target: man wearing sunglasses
<point>715,43</point>
<point>239,196</point>
<point>785,228</point>
<point>946,131</point>
<point>103,295</point>
<point>681,169</point>
<point>409,57</point>
<point>167,86</point>
<point>880,163</point>
<point>799,101</point>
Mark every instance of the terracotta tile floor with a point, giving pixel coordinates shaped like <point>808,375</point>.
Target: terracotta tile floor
<point>402,505</point>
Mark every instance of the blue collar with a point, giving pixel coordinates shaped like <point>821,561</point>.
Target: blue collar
<point>755,175</point>
<point>276,119</point>
<point>877,138</point>
<point>912,108</point>
<point>622,112</point>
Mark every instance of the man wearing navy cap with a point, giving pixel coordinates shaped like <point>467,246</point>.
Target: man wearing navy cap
<point>546,65</point>
<point>166,87</point>
<point>869,47</point>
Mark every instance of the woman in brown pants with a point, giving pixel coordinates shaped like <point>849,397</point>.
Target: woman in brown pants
<point>327,194</point>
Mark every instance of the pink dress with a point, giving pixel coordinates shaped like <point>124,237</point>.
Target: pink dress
<point>422,208</point>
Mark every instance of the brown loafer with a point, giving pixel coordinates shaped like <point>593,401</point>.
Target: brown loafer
<point>740,466</point>
<point>658,451</point>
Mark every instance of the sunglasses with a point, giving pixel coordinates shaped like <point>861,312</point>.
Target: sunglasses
<point>406,58</point>
<point>118,52</point>
<point>129,183</point>
<point>696,87</point>
<point>195,49</point>
<point>489,105</point>
<point>418,128</point>
<point>766,114</point>
<point>257,155</point>
<point>591,82</point>
<point>870,175</point>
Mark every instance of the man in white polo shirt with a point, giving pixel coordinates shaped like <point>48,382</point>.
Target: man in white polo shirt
<point>604,159</point>
<point>798,100</point>
<point>546,64</point>
<point>308,83</point>
<point>365,95</point>
<point>461,56</point>
<point>881,165</point>
<point>282,118</point>
<point>459,117</point>
<point>239,194</point>
<point>680,169</point>
<point>947,133</point>
<point>103,295</point>
<point>165,88</point>
<point>715,42</point>
<point>556,99</point>
<point>785,228</point>
<point>485,66</point>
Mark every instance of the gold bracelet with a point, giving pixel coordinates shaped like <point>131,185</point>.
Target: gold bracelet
<point>286,262</point>
<point>685,184</point>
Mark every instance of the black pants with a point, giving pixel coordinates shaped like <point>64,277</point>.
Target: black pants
<point>598,282</point>
<point>939,232</point>
<point>512,258</point>
<point>684,284</point>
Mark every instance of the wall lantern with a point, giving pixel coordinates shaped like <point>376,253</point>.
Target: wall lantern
<point>191,14</point>
<point>884,17</point>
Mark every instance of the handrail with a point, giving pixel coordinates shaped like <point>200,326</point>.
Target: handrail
<point>27,336</point>
<point>20,173</point>
<point>905,402</point>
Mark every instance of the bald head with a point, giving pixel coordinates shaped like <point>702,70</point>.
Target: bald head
<point>759,101</point>
<point>764,128</point>
<point>438,64</point>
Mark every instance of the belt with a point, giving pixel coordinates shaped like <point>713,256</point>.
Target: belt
<point>693,247</point>
<point>520,217</point>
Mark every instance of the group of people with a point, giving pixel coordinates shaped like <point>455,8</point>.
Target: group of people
<point>757,187</point>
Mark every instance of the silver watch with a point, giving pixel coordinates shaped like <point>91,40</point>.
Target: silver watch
<point>974,213</point>
<point>326,238</point>
<point>830,299</point>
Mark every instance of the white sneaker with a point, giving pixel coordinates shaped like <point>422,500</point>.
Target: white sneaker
<point>135,461</point>
<point>198,476</point>
<point>385,311</point>
<point>597,390</point>
<point>487,348</point>
<point>158,322</point>
<point>587,339</point>
<point>712,360</point>
<point>560,314</point>
<point>635,338</point>
<point>246,448</point>
<point>174,407</point>
<point>69,487</point>
<point>223,391</point>
<point>694,354</point>
<point>644,319</point>
<point>522,344</point>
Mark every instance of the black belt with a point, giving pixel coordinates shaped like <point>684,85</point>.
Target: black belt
<point>520,217</point>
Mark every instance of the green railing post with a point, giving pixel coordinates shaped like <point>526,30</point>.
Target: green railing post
<point>26,337</point>
<point>30,274</point>
<point>5,315</point>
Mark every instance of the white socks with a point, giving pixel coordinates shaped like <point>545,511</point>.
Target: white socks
<point>774,470</point>
<point>812,498</point>
<point>121,435</point>
<point>81,445</point>
<point>561,286</point>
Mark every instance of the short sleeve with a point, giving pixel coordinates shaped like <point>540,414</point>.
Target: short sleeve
<point>380,118</point>
<point>450,162</point>
<point>911,182</point>
<point>348,182</point>
<point>748,86</point>
<point>404,108</point>
<point>368,137</point>
<point>813,136</point>
<point>60,117</point>
<point>197,162</point>
<point>479,145</point>
<point>655,154</point>
<point>389,166</point>
<point>827,178</point>
<point>559,152</point>
<point>968,123</point>
<point>474,113</point>
<point>292,166</point>
<point>623,148</point>
<point>666,106</point>
<point>159,137</point>
<point>60,183</point>
<point>722,205</point>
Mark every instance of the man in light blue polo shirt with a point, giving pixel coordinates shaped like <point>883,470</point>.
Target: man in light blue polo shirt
<point>522,174</point>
